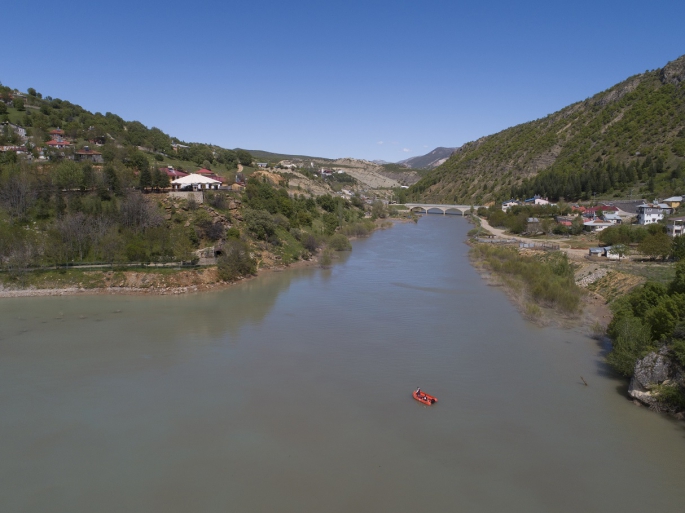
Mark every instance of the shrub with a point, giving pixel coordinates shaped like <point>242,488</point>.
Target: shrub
<point>338,242</point>
<point>260,224</point>
<point>235,261</point>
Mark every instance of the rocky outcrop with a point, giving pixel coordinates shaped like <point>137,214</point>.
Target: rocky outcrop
<point>673,72</point>
<point>651,370</point>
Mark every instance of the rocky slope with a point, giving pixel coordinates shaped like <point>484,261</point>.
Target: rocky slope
<point>430,160</point>
<point>641,118</point>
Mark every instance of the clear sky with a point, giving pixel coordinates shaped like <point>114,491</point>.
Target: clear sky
<point>374,79</point>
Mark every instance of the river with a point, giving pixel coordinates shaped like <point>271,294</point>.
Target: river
<point>292,393</point>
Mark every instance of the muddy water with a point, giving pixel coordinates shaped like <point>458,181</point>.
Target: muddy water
<point>292,393</point>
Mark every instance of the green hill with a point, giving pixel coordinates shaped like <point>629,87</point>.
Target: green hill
<point>630,137</point>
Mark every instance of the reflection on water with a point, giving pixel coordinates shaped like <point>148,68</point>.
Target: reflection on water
<point>292,392</point>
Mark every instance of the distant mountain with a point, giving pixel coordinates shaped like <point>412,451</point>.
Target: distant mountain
<point>429,160</point>
<point>627,139</point>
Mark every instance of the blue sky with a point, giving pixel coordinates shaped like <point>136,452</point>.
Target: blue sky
<point>367,79</point>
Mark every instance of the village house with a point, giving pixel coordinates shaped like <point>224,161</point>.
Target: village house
<point>533,225</point>
<point>596,225</point>
<point>262,164</point>
<point>172,173</point>
<point>19,130</point>
<point>58,144</point>
<point>506,205</point>
<point>57,134</point>
<point>210,174</point>
<point>612,218</point>
<point>537,200</point>
<point>87,155</point>
<point>673,202</point>
<point>195,182</point>
<point>676,226</point>
<point>649,214</point>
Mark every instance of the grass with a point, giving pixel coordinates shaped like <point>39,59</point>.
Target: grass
<point>547,280</point>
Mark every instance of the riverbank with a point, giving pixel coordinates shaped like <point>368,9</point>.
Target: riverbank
<point>150,281</point>
<point>542,286</point>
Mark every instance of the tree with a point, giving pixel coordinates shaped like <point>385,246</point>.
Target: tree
<point>260,223</point>
<point>678,248</point>
<point>32,92</point>
<point>18,104</point>
<point>145,178</point>
<point>3,108</point>
<point>655,245</point>
<point>244,157</point>
<point>235,261</point>
<point>68,175</point>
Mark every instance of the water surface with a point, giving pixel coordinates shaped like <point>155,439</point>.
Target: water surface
<point>292,392</point>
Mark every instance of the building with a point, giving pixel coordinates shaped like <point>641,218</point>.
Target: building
<point>58,144</point>
<point>596,225</point>
<point>506,205</point>
<point>88,155</point>
<point>537,200</point>
<point>612,218</point>
<point>676,226</point>
<point>195,182</point>
<point>649,214</point>
<point>262,164</point>
<point>533,225</point>
<point>172,173</point>
<point>673,202</point>
<point>57,135</point>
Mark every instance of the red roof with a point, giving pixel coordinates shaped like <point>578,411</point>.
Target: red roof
<point>173,173</point>
<point>58,131</point>
<point>204,172</point>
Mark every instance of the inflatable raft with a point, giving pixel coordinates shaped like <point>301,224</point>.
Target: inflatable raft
<point>424,398</point>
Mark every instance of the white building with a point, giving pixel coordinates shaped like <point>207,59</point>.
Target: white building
<point>648,214</point>
<point>195,182</point>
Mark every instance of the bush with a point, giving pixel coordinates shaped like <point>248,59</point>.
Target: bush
<point>260,224</point>
<point>339,242</point>
<point>235,261</point>
<point>310,243</point>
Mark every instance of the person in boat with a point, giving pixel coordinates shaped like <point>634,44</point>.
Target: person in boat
<point>418,391</point>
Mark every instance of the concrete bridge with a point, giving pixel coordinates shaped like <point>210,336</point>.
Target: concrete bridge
<point>433,208</point>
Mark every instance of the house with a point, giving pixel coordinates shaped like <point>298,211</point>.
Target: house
<point>537,200</point>
<point>649,214</point>
<point>58,144</point>
<point>262,164</point>
<point>17,149</point>
<point>674,201</point>
<point>88,155</point>
<point>172,173</point>
<point>19,130</point>
<point>612,218</point>
<point>597,252</point>
<point>665,208</point>
<point>596,225</point>
<point>506,205</point>
<point>533,225</point>
<point>210,174</point>
<point>177,147</point>
<point>565,220</point>
<point>676,226</point>
<point>194,182</point>
<point>57,135</point>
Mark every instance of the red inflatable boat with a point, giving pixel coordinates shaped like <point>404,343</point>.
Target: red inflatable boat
<point>424,398</point>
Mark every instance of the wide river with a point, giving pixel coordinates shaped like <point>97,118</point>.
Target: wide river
<point>292,393</point>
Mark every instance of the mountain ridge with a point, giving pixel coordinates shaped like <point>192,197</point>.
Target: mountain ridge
<point>600,145</point>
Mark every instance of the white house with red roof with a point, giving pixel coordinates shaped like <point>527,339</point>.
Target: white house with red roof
<point>195,182</point>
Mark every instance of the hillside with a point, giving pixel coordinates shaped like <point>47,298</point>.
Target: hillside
<point>430,160</point>
<point>630,137</point>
